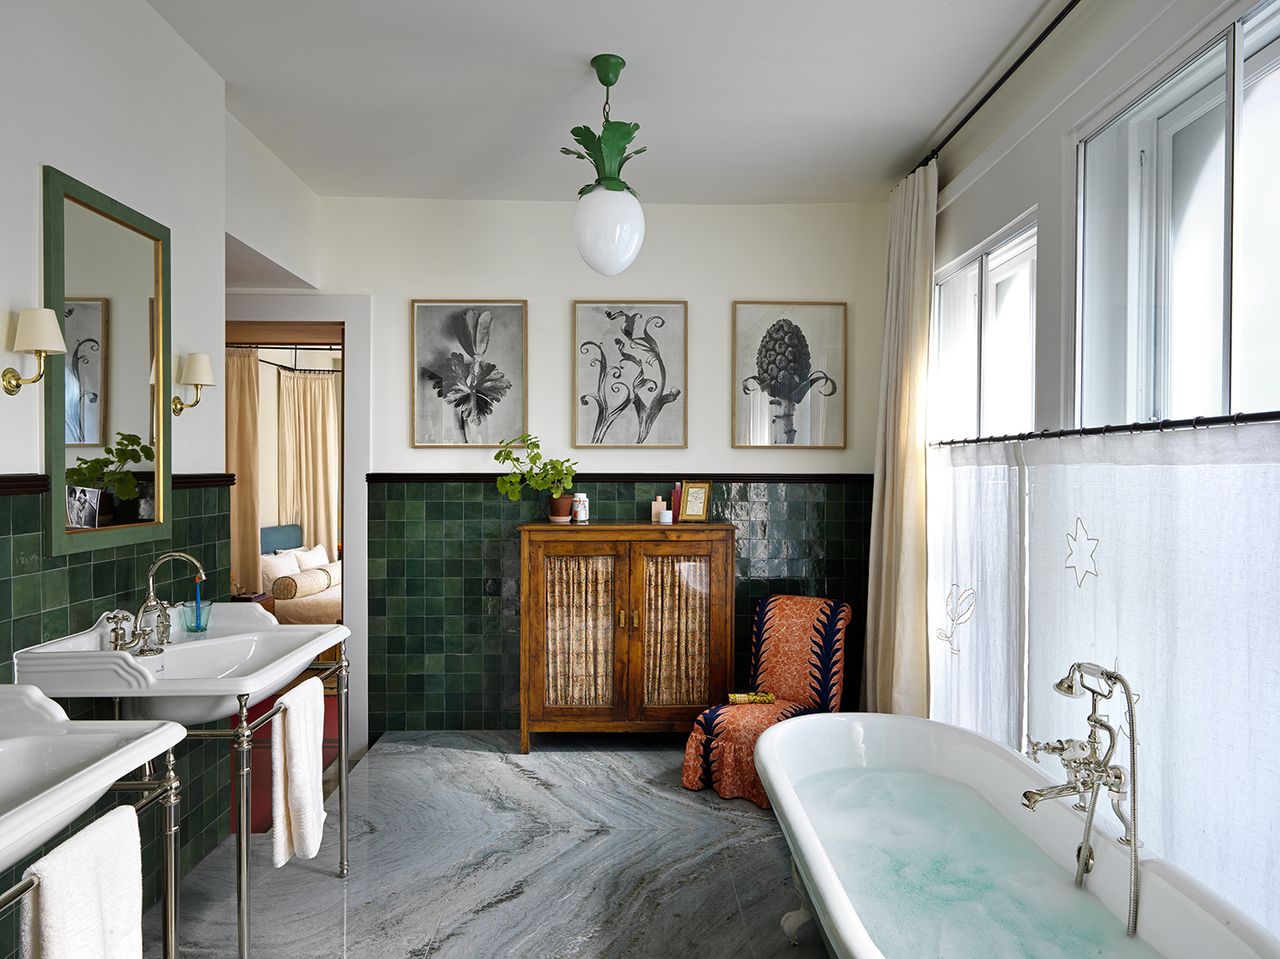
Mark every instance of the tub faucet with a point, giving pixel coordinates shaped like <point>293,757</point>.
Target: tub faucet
<point>153,604</point>
<point>1089,770</point>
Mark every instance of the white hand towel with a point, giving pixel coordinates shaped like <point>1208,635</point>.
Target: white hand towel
<point>88,904</point>
<point>297,773</point>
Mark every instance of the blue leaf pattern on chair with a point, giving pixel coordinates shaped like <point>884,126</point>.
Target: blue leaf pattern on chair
<point>759,629</point>
<point>825,660</point>
<point>707,722</point>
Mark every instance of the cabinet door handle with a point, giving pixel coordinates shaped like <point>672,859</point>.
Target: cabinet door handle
<point>635,619</point>
<point>622,619</point>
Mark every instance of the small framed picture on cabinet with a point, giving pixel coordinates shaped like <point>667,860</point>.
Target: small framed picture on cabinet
<point>695,501</point>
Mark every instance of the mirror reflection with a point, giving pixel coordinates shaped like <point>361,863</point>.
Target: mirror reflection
<point>109,317</point>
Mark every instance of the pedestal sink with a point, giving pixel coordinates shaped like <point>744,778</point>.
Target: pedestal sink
<point>54,768</point>
<point>199,676</point>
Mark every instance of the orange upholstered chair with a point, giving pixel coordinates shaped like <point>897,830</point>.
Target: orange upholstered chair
<point>797,653</point>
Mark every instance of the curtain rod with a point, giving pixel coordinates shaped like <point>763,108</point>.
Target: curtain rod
<point>1153,426</point>
<point>327,348</point>
<point>995,87</point>
<point>294,369</point>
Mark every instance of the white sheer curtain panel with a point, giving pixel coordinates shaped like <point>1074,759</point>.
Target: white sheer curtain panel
<point>976,610</point>
<point>310,457</point>
<point>1159,555</point>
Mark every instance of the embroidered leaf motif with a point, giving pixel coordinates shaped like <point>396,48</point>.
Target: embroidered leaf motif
<point>709,723</point>
<point>759,629</point>
<point>826,655</point>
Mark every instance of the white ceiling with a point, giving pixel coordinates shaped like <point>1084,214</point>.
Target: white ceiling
<point>739,101</point>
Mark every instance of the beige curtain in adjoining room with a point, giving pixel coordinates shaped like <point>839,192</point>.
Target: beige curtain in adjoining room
<point>310,457</point>
<point>242,460</point>
<point>897,662</point>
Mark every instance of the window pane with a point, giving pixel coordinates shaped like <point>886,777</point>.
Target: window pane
<point>1255,325</point>
<point>1008,351</point>
<point>953,358</point>
<point>1153,214</point>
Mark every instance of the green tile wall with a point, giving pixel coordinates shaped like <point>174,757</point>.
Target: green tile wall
<point>444,619</point>
<point>42,597</point>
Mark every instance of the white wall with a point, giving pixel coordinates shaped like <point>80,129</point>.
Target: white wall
<point>268,207</point>
<point>1018,153</point>
<point>399,250</point>
<point>108,93</point>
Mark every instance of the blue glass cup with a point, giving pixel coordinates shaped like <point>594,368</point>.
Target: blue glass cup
<point>195,617</point>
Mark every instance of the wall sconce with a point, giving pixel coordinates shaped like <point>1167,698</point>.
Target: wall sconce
<point>197,372</point>
<point>39,333</point>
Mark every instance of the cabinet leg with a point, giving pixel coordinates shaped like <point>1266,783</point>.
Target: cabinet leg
<point>524,740</point>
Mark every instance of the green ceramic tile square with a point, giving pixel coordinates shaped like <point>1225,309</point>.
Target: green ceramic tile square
<point>26,513</point>
<point>6,555</point>
<point>26,594</point>
<point>27,549</point>
<point>54,589</point>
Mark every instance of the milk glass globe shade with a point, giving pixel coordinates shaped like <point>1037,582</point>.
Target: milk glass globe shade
<point>609,228</point>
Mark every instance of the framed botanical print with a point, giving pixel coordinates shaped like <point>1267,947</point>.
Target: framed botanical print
<point>470,368</point>
<point>789,374</point>
<point>630,373</point>
<point>695,501</point>
<point>86,329</point>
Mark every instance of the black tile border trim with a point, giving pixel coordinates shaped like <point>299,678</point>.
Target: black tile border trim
<point>665,477</point>
<point>25,484</point>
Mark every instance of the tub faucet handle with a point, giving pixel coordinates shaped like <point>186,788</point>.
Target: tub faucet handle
<point>117,621</point>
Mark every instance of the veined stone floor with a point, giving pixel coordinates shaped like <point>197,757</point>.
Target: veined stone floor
<point>461,847</point>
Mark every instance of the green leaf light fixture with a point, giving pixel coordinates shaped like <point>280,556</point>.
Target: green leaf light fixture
<point>608,223</point>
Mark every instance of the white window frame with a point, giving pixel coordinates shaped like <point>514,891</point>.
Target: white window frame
<point>1025,224</point>
<point>1147,322</point>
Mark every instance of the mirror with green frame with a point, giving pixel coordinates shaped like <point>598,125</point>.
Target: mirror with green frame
<point>106,423</point>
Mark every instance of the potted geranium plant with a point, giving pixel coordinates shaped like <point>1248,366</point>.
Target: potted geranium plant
<point>530,468</point>
<point>110,474</point>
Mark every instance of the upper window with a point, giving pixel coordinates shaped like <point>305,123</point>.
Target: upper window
<point>981,363</point>
<point>1163,334</point>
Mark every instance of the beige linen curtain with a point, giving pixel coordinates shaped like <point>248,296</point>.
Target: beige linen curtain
<point>580,637</point>
<point>310,457</point>
<point>897,663</point>
<point>677,599</point>
<point>242,460</point>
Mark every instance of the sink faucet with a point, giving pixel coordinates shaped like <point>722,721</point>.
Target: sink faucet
<point>153,604</point>
<point>1089,770</point>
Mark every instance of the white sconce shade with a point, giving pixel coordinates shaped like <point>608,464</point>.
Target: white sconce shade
<point>38,332</point>
<point>609,228</point>
<point>197,370</point>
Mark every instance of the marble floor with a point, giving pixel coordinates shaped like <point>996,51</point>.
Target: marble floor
<point>461,847</point>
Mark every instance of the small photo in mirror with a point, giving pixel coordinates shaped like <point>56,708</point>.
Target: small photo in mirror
<point>82,507</point>
<point>85,327</point>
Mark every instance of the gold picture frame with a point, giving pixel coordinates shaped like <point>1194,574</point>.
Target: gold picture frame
<point>696,494</point>
<point>739,383</point>
<point>586,435</point>
<point>429,313</point>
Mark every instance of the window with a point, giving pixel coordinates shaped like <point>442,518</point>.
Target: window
<point>981,346</point>
<point>1162,332</point>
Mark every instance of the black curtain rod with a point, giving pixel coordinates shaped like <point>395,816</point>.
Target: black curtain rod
<point>294,369</point>
<point>1013,68</point>
<point>1153,426</point>
<point>278,346</point>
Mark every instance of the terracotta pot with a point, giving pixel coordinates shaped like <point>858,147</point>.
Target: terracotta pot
<point>560,508</point>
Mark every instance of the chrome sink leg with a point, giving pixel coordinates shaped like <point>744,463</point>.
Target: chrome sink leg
<point>171,806</point>
<point>242,748</point>
<point>344,693</point>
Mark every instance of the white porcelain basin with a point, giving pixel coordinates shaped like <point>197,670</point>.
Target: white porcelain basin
<point>53,769</point>
<point>196,679</point>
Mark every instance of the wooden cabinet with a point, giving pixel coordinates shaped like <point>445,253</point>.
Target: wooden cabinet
<point>623,626</point>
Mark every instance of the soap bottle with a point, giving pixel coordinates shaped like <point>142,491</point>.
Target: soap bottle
<point>658,505</point>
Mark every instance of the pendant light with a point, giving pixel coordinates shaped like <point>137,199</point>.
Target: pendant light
<point>608,223</point>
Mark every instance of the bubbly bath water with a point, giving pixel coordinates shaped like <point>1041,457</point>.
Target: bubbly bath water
<point>933,870</point>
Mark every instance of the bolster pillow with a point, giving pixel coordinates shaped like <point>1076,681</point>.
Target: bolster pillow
<point>308,582</point>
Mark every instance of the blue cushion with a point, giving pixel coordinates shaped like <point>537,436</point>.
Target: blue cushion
<point>281,537</point>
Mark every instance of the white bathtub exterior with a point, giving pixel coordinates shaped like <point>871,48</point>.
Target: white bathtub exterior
<point>1178,917</point>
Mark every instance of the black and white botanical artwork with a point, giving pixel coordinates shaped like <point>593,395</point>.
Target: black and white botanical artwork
<point>789,385</point>
<point>84,327</point>
<point>630,377</point>
<point>468,372</point>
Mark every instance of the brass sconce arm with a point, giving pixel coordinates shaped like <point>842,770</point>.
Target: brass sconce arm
<point>177,404</point>
<point>14,381</point>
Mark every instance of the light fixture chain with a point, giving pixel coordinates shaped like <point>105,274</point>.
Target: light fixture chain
<point>606,105</point>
